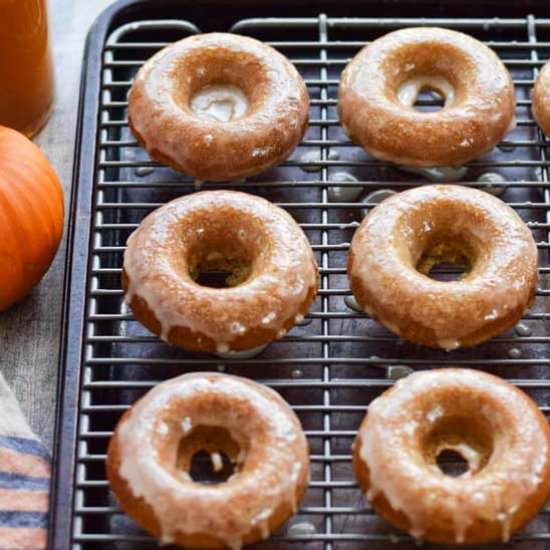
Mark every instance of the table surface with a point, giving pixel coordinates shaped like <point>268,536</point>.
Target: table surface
<point>30,331</point>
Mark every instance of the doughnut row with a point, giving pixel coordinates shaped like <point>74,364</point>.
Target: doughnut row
<point>227,273</point>
<point>495,427</point>
<point>272,276</point>
<point>220,106</point>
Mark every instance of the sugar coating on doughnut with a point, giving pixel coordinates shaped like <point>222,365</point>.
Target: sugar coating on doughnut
<point>276,292</point>
<point>392,239</point>
<point>388,444</point>
<point>272,463</point>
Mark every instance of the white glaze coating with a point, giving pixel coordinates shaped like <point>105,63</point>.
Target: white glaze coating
<point>186,424</point>
<point>274,461</point>
<point>386,248</point>
<point>276,292</point>
<point>219,103</point>
<point>399,469</point>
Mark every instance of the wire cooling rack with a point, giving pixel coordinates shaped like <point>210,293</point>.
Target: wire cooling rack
<point>331,366</point>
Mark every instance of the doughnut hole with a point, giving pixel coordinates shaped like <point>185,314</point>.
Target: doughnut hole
<point>429,98</point>
<point>222,268</point>
<point>433,66</point>
<point>452,463</point>
<point>222,255</point>
<point>458,445</point>
<point>221,103</point>
<point>447,261</point>
<point>442,250</point>
<point>426,94</point>
<point>215,84</point>
<point>208,454</point>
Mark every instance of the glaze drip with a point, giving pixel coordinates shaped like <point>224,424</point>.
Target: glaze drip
<point>243,354</point>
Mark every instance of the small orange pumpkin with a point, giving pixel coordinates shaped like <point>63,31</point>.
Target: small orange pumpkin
<point>31,216</point>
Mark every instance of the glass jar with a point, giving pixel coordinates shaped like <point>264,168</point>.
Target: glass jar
<point>26,71</point>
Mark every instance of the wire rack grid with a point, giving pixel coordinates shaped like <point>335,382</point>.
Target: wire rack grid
<point>331,366</point>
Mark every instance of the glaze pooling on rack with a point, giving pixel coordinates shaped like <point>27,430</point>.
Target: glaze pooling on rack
<point>272,463</point>
<point>438,174</point>
<point>308,159</point>
<point>494,179</point>
<point>339,193</point>
<point>504,472</point>
<point>376,197</point>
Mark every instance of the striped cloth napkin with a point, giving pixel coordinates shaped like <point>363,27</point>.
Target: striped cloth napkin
<point>24,479</point>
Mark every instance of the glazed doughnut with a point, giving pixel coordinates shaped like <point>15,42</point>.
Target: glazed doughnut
<point>380,85</point>
<point>218,106</point>
<point>541,99</point>
<point>497,429</point>
<point>150,454</point>
<point>273,281</point>
<point>401,239</point>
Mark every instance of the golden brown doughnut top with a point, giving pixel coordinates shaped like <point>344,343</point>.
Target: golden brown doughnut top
<point>263,105</point>
<point>379,86</point>
<point>496,427</point>
<point>273,456</point>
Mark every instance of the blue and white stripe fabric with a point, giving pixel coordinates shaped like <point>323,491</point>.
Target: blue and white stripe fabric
<point>24,480</point>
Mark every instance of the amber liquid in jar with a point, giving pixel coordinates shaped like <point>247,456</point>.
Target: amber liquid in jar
<point>26,71</point>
